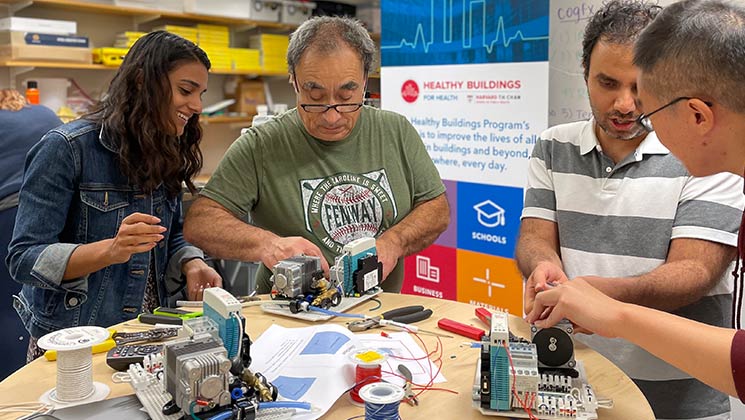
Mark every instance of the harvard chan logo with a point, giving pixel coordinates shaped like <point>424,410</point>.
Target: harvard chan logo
<point>410,91</point>
<point>343,207</point>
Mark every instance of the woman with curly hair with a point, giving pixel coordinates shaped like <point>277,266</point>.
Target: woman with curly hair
<point>99,218</point>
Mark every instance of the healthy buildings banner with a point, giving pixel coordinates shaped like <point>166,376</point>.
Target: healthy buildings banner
<point>472,77</point>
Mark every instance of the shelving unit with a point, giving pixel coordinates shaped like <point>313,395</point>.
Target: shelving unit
<point>101,21</point>
<point>143,14</point>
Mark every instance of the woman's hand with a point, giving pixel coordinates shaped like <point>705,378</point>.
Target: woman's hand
<point>138,233</point>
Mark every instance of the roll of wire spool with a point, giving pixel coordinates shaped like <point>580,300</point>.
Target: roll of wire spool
<point>382,400</point>
<point>75,384</point>
<point>367,370</point>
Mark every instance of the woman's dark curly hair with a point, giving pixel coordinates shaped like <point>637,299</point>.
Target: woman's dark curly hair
<point>135,115</point>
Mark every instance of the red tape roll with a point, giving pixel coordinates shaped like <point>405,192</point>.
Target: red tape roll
<point>364,375</point>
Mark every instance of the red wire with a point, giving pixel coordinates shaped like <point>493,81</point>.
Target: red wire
<point>514,377</point>
<point>416,386</point>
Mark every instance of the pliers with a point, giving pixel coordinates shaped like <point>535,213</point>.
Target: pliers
<point>405,315</point>
<point>409,395</point>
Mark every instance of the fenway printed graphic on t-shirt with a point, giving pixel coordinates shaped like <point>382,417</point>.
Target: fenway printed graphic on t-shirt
<point>343,207</point>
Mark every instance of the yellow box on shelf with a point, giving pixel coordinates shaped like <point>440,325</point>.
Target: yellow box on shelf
<point>212,44</point>
<point>245,52</point>
<point>267,41</point>
<point>109,56</point>
<point>212,28</point>
<point>187,32</point>
<point>274,61</point>
<point>130,35</point>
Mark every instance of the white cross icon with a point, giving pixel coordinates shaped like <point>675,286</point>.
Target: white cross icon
<point>488,282</point>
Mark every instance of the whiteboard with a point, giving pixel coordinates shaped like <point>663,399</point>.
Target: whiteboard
<point>567,96</point>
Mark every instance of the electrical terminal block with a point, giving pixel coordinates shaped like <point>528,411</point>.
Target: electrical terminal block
<point>500,328</point>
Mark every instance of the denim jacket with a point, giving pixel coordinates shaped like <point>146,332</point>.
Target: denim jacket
<point>74,193</point>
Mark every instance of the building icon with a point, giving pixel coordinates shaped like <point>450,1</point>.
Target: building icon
<point>489,214</point>
<point>425,270</point>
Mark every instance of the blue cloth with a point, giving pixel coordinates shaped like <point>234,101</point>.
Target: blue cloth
<point>19,131</point>
<point>74,193</point>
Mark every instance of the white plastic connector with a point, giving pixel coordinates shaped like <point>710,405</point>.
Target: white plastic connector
<point>359,245</point>
<point>221,301</point>
<point>500,328</point>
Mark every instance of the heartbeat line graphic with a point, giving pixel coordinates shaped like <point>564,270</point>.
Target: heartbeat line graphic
<point>499,39</point>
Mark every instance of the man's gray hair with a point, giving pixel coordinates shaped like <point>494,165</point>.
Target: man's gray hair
<point>325,34</point>
<point>696,48</point>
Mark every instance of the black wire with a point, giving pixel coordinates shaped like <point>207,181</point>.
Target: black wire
<point>376,300</point>
<point>42,416</point>
<point>739,274</point>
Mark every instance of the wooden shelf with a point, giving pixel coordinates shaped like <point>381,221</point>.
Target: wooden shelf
<point>222,119</point>
<point>54,64</point>
<point>145,12</point>
<point>86,66</point>
<point>255,73</point>
<point>151,14</point>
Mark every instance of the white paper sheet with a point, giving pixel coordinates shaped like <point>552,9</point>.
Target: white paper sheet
<point>312,364</point>
<point>401,348</point>
<point>306,364</point>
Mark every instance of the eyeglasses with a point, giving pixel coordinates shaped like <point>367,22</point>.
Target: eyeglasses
<point>644,120</point>
<point>340,108</point>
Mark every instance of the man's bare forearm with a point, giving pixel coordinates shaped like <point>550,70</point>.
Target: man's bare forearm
<point>220,234</point>
<point>420,228</point>
<point>538,242</point>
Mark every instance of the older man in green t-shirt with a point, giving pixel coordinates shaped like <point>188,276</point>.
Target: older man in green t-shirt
<point>328,172</point>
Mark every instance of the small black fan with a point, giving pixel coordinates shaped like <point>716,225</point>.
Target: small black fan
<point>554,346</point>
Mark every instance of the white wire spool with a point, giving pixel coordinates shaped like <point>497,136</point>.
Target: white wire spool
<point>75,384</point>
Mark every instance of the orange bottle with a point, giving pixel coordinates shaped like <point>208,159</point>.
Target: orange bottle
<point>32,92</point>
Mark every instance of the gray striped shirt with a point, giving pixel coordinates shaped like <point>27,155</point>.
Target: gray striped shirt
<point>617,220</point>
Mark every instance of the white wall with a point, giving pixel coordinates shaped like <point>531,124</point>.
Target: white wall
<point>567,92</point>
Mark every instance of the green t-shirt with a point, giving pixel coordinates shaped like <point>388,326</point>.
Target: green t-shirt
<point>331,193</point>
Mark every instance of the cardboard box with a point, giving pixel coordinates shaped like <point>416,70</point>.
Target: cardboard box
<point>46,26</point>
<point>14,46</point>
<point>248,94</point>
<point>369,15</point>
<point>266,10</point>
<point>175,6</point>
<point>225,8</point>
<point>296,12</point>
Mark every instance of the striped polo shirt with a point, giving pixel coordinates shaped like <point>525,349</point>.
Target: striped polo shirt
<point>617,220</point>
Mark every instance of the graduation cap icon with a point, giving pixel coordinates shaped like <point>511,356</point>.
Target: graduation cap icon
<point>490,214</point>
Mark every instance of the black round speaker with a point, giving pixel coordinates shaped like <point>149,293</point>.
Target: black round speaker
<point>554,347</point>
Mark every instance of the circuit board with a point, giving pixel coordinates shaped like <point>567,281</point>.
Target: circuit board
<point>559,398</point>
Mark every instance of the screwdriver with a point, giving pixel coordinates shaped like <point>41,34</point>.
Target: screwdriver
<point>410,328</point>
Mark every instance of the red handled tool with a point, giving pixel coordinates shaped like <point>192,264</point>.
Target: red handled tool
<point>484,315</point>
<point>461,329</point>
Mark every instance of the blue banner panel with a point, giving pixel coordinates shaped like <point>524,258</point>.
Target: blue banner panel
<point>427,32</point>
<point>489,218</point>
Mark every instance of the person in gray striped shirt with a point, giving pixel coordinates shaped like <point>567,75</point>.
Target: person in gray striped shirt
<point>606,202</point>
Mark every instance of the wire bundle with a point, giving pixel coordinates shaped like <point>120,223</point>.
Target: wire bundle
<point>364,375</point>
<point>382,401</point>
<point>74,375</point>
<point>74,366</point>
<point>367,370</point>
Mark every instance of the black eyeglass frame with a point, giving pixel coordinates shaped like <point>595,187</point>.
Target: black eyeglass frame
<point>335,107</point>
<point>321,108</point>
<point>644,120</point>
